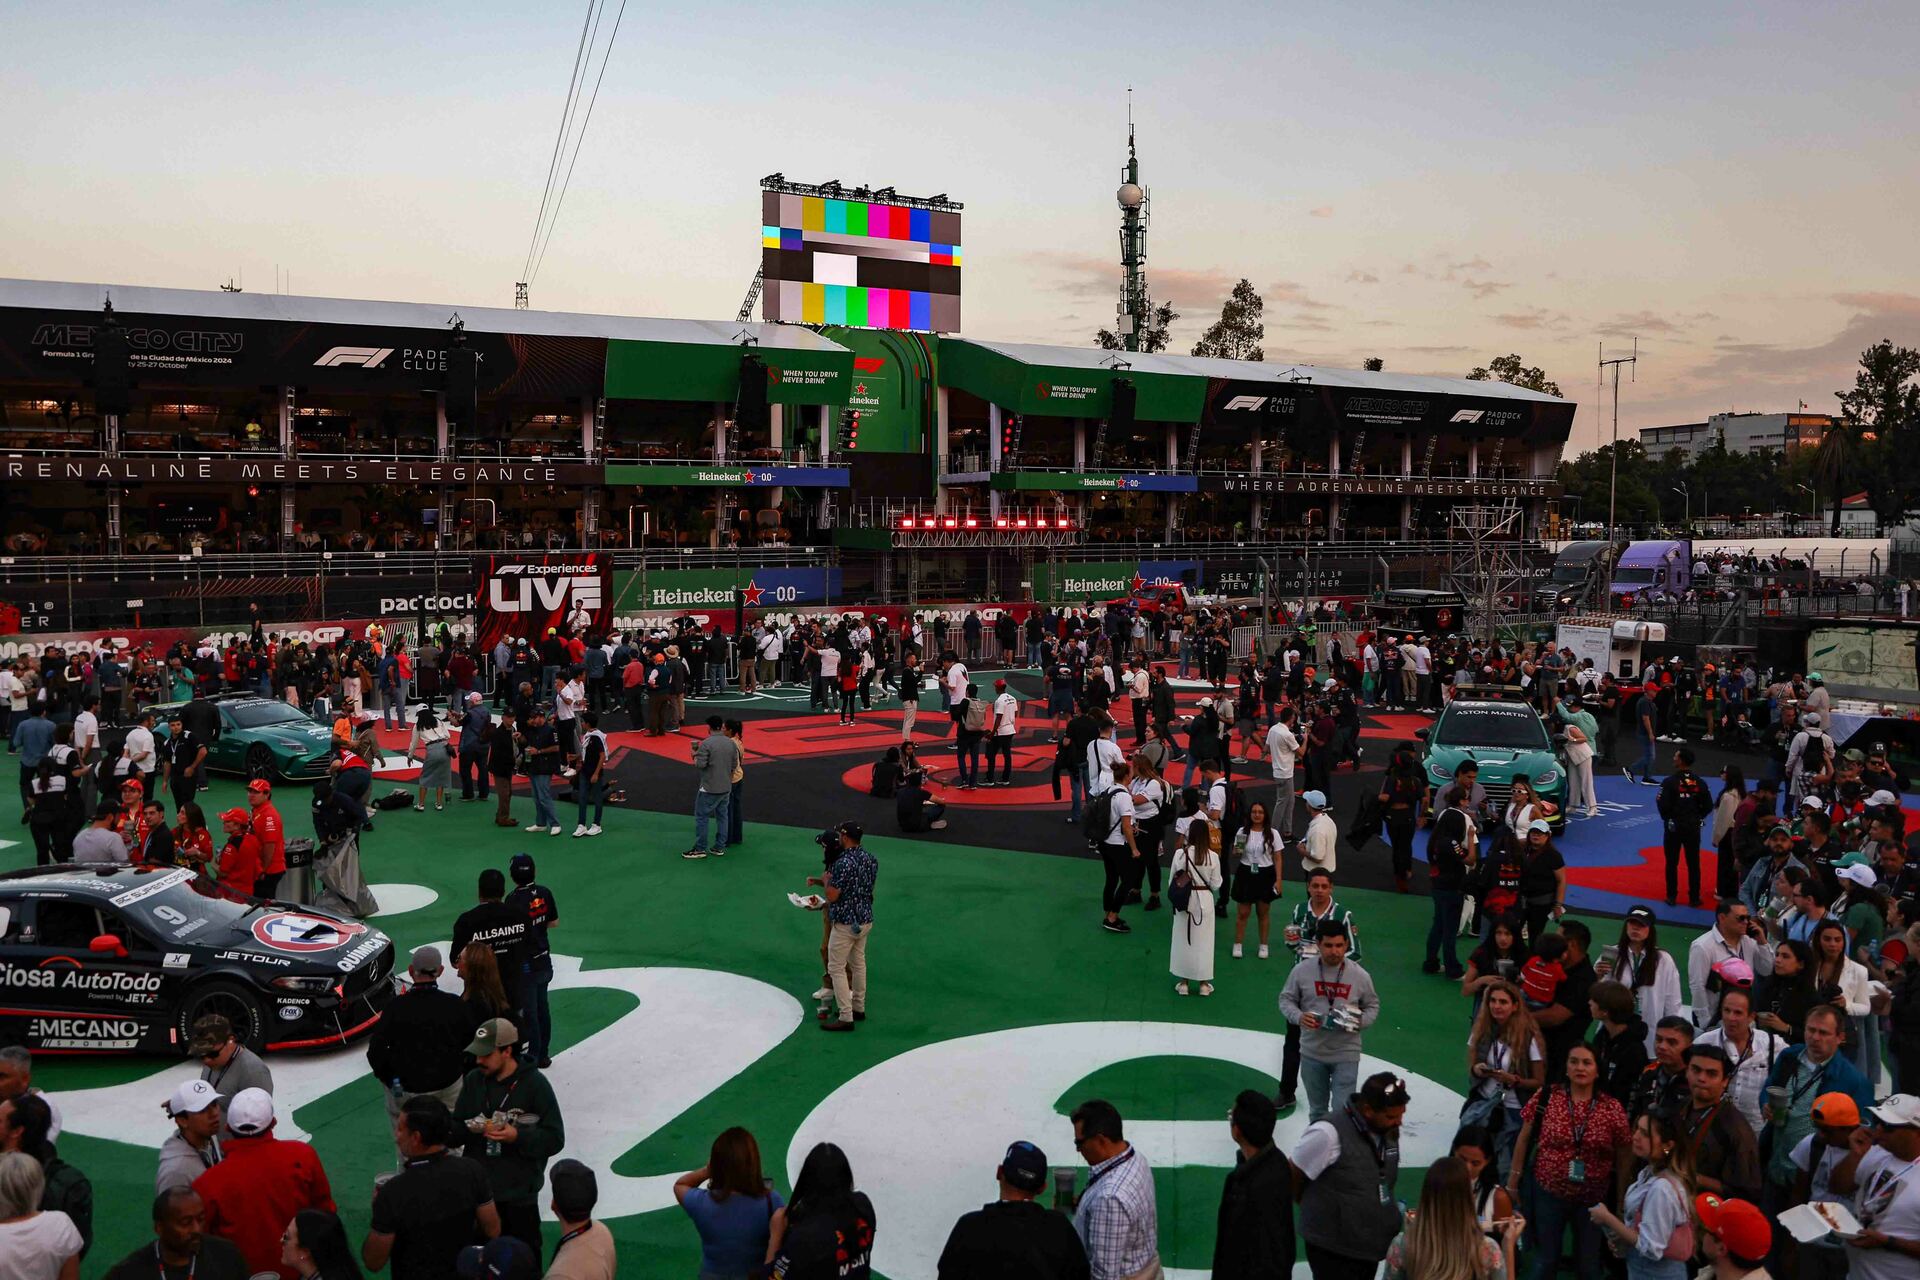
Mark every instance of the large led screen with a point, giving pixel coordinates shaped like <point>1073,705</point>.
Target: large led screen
<point>859,263</point>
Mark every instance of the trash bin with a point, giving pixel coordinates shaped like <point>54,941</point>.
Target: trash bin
<point>297,884</point>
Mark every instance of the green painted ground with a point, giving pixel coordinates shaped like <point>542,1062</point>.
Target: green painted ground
<point>968,940</point>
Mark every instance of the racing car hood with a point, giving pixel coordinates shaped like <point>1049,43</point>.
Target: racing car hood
<point>1497,764</point>
<point>284,937</point>
<point>298,735</point>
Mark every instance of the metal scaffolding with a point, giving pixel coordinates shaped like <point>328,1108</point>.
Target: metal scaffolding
<point>1489,568</point>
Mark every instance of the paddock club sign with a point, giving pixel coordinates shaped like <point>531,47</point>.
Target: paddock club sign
<point>131,471</point>
<point>1382,486</point>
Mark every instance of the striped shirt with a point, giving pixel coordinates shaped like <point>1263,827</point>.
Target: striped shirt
<point>1117,1220</point>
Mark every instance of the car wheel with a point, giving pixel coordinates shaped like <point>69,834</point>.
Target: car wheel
<point>259,762</point>
<point>231,1001</point>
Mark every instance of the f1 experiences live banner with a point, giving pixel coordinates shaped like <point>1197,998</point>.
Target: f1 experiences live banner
<point>526,595</point>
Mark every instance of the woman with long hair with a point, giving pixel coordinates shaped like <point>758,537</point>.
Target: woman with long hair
<point>1498,959</point>
<point>1733,792</point>
<point>1191,959</point>
<point>428,745</point>
<point>1474,1146</point>
<point>1506,1064</point>
<point>1782,998</point>
<point>192,842</point>
<point>732,1207</point>
<point>1523,806</point>
<point>1403,793</point>
<point>1256,875</point>
<point>1443,1239</point>
<point>1638,964</point>
<point>1578,1135</point>
<point>1153,813</point>
<point>314,1246</point>
<point>484,994</point>
<point>828,1226</point>
<point>1841,981</point>
<point>1654,1229</point>
<point>1451,852</point>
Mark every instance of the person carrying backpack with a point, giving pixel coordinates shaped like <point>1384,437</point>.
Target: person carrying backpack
<point>1684,803</point>
<point>972,724</point>
<point>1109,828</point>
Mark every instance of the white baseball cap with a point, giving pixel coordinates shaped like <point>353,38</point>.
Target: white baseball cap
<point>191,1097</point>
<point>1879,798</point>
<point>250,1114</point>
<point>1902,1110</point>
<point>1857,874</point>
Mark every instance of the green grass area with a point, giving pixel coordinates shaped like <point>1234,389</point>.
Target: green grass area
<point>968,940</point>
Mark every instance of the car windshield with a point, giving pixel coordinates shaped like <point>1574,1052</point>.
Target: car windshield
<point>1637,576</point>
<point>1570,572</point>
<point>1510,727</point>
<point>258,715</point>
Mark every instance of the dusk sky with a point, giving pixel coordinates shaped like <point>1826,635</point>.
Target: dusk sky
<point>1433,183</point>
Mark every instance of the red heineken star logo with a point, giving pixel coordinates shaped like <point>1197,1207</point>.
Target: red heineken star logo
<point>860,389</point>
<point>750,594</point>
<point>1138,583</point>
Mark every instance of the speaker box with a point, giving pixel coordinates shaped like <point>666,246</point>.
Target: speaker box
<point>1120,420</point>
<point>112,384</point>
<point>750,411</point>
<point>463,387</point>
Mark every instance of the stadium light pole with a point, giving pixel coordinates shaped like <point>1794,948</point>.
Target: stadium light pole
<point>1613,454</point>
<point>1687,496</point>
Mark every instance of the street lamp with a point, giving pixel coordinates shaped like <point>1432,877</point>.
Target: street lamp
<point>1813,500</point>
<point>1688,496</point>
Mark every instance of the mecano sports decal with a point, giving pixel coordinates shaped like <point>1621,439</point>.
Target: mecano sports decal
<point>287,931</point>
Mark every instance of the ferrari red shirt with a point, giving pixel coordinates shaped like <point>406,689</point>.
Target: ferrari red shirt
<point>273,840</point>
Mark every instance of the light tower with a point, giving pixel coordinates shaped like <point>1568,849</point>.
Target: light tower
<point>1134,311</point>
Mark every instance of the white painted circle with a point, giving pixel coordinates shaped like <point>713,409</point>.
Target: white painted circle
<point>398,899</point>
<point>895,1120</point>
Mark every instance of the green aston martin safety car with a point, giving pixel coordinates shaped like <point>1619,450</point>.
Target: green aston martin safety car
<point>261,738</point>
<point>1498,731</point>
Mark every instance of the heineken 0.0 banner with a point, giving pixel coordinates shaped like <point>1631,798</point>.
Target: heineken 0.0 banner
<point>1102,580</point>
<point>708,590</point>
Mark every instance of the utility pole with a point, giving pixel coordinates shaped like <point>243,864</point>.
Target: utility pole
<point>1135,312</point>
<point>1613,454</point>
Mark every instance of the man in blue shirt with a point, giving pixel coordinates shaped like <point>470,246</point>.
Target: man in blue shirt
<point>32,738</point>
<point>848,889</point>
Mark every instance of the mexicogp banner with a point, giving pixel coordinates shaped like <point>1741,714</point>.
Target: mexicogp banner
<point>688,590</point>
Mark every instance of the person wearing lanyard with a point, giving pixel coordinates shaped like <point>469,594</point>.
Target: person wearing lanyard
<point>182,1248</point>
<point>586,1250</point>
<point>1751,1050</point>
<point>1734,936</point>
<point>1116,1216</point>
<point>1726,1158</point>
<point>1583,1135</point>
<point>1879,1171</point>
<point>519,1127</point>
<point>1835,1119</point>
<point>1803,1073</point>
<point>1332,1001</point>
<point>1344,1171</point>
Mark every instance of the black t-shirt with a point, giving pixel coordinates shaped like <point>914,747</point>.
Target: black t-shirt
<point>428,1210</point>
<point>548,761</point>
<point>503,927</point>
<point>908,805</point>
<point>218,1260</point>
<point>813,1244</point>
<point>1575,990</point>
<point>536,901</point>
<point>1539,872</point>
<point>1014,1238</point>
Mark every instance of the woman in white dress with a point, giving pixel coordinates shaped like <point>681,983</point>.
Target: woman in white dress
<point>1192,959</point>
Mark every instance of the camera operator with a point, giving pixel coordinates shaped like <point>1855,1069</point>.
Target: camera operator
<point>848,887</point>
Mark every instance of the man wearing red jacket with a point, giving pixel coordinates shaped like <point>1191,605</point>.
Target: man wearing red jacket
<point>240,857</point>
<point>260,1183</point>
<point>272,834</point>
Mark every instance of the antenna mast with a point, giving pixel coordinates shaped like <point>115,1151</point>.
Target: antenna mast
<point>1135,311</point>
<point>1613,454</point>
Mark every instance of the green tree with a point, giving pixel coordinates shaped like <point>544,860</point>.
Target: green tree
<point>1155,337</point>
<point>1882,414</point>
<point>1834,461</point>
<point>1237,333</point>
<point>1511,368</point>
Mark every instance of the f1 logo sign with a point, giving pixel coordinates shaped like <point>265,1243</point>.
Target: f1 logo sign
<point>365,357</point>
<point>1467,415</point>
<point>551,591</point>
<point>1250,403</point>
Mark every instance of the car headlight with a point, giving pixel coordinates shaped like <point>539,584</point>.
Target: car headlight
<point>291,983</point>
<point>1548,778</point>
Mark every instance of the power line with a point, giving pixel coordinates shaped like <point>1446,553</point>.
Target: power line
<point>580,137</point>
<point>560,138</point>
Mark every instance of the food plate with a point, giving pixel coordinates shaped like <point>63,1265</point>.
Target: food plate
<point>1809,1222</point>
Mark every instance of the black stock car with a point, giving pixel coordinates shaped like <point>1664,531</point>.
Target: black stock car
<point>125,959</point>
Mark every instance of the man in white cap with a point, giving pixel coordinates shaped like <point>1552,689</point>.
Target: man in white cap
<point>260,1183</point>
<point>194,1145</point>
<point>1886,1200</point>
<point>1319,845</point>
